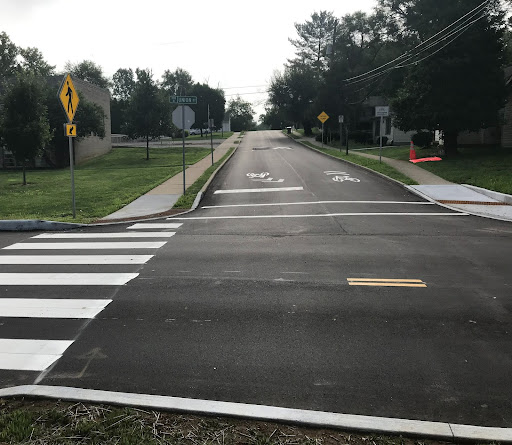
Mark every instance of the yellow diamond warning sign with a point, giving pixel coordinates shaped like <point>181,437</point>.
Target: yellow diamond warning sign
<point>322,117</point>
<point>68,97</point>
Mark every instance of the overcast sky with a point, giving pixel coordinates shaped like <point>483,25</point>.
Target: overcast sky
<point>224,43</point>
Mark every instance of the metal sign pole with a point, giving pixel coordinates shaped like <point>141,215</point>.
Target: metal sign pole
<point>183,139</point>
<point>380,150</point>
<point>211,131</point>
<point>322,135</point>
<point>72,168</point>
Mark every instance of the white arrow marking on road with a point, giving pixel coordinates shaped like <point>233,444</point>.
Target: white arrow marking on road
<point>66,279</point>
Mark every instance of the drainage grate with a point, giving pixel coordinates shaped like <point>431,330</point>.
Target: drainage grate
<point>261,148</point>
<point>480,203</point>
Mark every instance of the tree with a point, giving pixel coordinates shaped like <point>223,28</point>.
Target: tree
<point>461,86</point>
<point>89,71</point>
<point>149,113</point>
<point>241,114</point>
<point>207,96</point>
<point>25,129</point>
<point>123,83</point>
<point>32,61</point>
<point>8,54</point>
<point>177,82</point>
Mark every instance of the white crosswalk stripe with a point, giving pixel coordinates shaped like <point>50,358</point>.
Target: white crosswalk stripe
<point>36,355</point>
<point>87,245</point>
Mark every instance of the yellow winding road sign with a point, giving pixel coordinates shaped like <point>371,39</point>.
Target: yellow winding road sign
<point>68,97</point>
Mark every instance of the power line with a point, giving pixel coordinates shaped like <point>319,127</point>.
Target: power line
<point>409,54</point>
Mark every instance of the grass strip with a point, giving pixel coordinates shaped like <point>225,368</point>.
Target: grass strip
<point>103,185</point>
<point>47,422</point>
<point>185,201</point>
<point>365,162</point>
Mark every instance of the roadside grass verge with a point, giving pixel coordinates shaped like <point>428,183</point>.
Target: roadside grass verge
<point>206,137</point>
<point>486,167</point>
<point>103,185</point>
<point>365,162</point>
<point>185,201</point>
<point>48,422</point>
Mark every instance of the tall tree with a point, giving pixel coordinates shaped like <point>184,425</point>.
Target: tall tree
<point>32,61</point>
<point>241,114</point>
<point>148,112</point>
<point>8,54</point>
<point>207,96</point>
<point>123,85</point>
<point>89,71</point>
<point>460,84</point>
<point>177,82</point>
<point>25,129</point>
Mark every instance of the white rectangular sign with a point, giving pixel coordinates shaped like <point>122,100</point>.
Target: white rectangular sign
<point>381,111</point>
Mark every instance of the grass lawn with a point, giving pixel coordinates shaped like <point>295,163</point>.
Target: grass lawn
<point>365,162</point>
<point>197,137</point>
<point>103,185</point>
<point>56,422</point>
<point>185,201</point>
<point>487,167</point>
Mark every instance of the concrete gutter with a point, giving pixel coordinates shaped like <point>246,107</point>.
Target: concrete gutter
<point>319,419</point>
<point>22,225</point>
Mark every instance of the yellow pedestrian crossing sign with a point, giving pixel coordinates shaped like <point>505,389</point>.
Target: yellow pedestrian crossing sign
<point>322,117</point>
<point>71,130</point>
<point>68,97</point>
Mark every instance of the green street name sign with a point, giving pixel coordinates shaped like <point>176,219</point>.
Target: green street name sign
<point>184,100</point>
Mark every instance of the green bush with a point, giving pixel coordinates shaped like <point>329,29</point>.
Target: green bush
<point>423,139</point>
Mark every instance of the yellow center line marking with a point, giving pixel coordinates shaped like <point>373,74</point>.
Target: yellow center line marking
<point>362,283</point>
<point>390,280</point>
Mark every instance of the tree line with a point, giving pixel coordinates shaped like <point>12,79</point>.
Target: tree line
<point>140,105</point>
<point>439,64</point>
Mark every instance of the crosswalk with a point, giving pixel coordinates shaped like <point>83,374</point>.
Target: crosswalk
<point>33,269</point>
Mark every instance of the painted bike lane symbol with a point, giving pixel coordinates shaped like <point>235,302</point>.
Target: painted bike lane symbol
<point>338,176</point>
<point>258,175</point>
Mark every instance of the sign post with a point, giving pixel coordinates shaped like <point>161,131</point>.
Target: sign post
<point>183,101</point>
<point>322,117</point>
<point>210,126</point>
<point>381,112</point>
<point>340,120</point>
<point>69,99</point>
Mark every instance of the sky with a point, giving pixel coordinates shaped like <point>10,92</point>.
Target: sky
<point>234,45</point>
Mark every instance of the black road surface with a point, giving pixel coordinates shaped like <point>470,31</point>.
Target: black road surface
<point>326,287</point>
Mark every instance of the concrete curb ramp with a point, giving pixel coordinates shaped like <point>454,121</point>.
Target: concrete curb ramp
<point>448,431</point>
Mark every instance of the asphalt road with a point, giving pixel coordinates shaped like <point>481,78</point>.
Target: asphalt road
<point>286,295</point>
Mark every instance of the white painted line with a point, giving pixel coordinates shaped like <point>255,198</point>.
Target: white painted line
<point>51,308</point>
<point>66,279</point>
<point>106,235</point>
<point>260,190</point>
<point>155,226</point>
<point>75,259</point>
<point>316,202</point>
<point>30,355</point>
<point>322,215</point>
<point>320,419</point>
<point>86,245</point>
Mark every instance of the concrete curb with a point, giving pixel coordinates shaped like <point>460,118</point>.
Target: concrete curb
<point>25,225</point>
<point>35,224</point>
<point>321,419</point>
<point>491,194</point>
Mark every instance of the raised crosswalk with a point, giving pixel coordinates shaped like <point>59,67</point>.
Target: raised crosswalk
<point>35,264</point>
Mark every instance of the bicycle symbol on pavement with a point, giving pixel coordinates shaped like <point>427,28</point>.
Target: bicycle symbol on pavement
<point>341,176</point>
<point>258,175</point>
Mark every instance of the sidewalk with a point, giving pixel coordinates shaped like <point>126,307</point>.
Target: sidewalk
<point>466,198</point>
<point>162,198</point>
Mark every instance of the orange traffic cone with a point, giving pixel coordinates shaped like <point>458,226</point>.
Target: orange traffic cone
<point>412,152</point>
